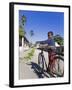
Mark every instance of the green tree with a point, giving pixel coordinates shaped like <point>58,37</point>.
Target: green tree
<point>31,34</point>
<point>59,39</point>
<point>23,20</point>
<point>22,32</point>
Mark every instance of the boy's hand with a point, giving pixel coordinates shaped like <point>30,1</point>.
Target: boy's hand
<point>43,45</point>
<point>46,46</point>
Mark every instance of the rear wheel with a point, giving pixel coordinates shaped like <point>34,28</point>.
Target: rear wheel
<point>59,66</point>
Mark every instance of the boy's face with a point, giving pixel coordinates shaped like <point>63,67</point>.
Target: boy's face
<point>50,35</point>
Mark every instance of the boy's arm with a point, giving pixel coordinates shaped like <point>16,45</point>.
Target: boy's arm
<point>42,42</point>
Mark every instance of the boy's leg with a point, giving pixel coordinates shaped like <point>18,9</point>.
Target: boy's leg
<point>51,64</point>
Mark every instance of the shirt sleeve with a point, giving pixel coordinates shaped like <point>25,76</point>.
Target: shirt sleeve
<point>51,42</point>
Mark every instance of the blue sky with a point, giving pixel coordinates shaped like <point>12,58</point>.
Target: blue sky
<point>41,23</point>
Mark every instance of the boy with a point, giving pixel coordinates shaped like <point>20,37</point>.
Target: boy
<point>51,53</point>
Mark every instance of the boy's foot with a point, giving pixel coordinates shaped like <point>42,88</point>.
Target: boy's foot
<point>48,70</point>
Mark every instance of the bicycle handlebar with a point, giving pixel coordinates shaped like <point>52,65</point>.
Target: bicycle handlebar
<point>49,48</point>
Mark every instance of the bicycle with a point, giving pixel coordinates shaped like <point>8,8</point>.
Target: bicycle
<point>59,57</point>
<point>41,61</point>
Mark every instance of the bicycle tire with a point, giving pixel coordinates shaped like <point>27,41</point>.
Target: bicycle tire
<point>41,61</point>
<point>60,68</point>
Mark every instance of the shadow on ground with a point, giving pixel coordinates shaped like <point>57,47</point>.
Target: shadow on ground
<point>38,70</point>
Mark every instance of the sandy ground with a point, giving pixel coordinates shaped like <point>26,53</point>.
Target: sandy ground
<point>29,69</point>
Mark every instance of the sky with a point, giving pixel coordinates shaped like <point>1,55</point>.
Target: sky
<point>41,23</point>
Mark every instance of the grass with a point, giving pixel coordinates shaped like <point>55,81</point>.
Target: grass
<point>30,54</point>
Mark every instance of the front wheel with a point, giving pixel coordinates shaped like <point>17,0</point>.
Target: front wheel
<point>41,61</point>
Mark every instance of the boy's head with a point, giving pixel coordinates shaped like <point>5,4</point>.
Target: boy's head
<point>50,34</point>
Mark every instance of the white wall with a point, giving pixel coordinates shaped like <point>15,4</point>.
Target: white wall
<point>4,43</point>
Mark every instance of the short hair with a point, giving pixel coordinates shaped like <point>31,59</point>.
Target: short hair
<point>50,33</point>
